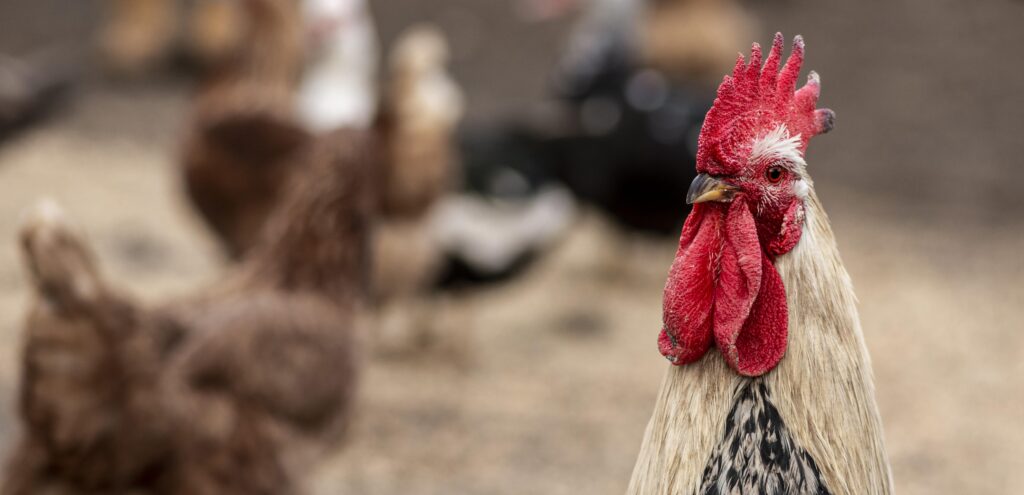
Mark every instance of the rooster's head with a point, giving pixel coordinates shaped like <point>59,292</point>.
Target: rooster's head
<point>748,208</point>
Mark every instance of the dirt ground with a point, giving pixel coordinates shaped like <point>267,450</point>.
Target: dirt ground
<point>552,377</point>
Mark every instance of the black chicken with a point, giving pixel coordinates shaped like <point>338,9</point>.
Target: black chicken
<point>625,142</point>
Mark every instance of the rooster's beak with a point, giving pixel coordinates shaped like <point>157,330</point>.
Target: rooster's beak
<point>707,188</point>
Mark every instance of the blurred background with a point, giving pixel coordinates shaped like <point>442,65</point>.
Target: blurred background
<point>542,370</point>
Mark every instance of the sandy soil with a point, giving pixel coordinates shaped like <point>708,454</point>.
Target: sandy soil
<point>549,380</point>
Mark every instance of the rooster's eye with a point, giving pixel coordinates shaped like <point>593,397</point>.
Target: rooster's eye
<point>774,174</point>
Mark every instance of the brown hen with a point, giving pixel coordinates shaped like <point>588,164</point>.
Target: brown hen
<point>243,137</point>
<point>224,392</point>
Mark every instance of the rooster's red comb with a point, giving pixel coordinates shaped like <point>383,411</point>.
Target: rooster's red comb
<point>755,100</point>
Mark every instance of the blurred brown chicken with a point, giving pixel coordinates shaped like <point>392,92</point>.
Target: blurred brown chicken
<point>140,34</point>
<point>693,40</point>
<point>137,34</point>
<point>243,136</point>
<point>237,158</point>
<point>225,392</point>
<point>420,110</point>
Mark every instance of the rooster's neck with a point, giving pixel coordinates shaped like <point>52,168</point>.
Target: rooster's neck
<point>822,389</point>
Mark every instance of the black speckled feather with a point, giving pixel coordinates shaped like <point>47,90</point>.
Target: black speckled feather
<point>757,455</point>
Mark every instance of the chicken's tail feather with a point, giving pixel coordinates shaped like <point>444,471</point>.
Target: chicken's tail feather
<point>61,265</point>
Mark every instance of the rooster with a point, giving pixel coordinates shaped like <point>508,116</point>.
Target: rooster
<point>786,404</point>
<point>225,392</point>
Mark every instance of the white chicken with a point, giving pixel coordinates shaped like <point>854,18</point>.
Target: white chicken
<point>339,86</point>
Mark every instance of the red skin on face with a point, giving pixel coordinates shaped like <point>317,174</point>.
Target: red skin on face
<point>722,286</point>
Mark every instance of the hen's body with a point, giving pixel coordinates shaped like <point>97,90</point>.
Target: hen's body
<point>224,392</point>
